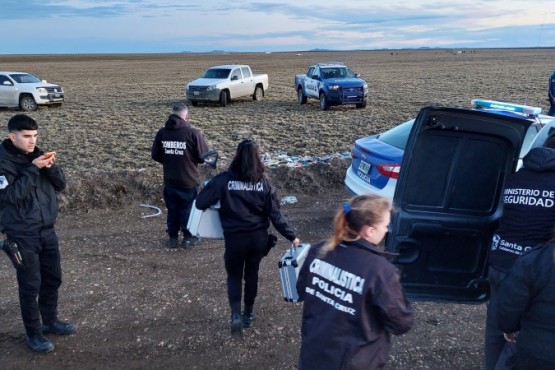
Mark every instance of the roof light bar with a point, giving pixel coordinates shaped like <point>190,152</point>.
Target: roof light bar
<point>525,109</point>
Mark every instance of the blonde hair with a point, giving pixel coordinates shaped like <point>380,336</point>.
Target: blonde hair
<point>353,215</point>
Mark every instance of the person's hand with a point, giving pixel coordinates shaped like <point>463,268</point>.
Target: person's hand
<point>296,242</point>
<point>511,337</point>
<point>42,162</point>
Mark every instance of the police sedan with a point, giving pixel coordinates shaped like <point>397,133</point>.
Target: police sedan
<point>376,159</point>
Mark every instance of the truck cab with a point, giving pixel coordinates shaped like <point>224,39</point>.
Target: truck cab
<point>221,84</point>
<point>332,84</point>
<point>27,91</point>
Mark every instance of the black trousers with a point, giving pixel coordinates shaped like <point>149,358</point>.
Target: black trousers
<point>243,253</point>
<point>498,353</point>
<point>179,202</point>
<point>39,279</point>
<point>551,108</point>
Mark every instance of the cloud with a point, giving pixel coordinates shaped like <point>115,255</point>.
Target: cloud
<point>171,25</point>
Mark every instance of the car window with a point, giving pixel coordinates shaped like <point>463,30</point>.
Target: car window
<point>4,79</point>
<point>24,78</point>
<point>528,139</point>
<point>348,73</point>
<point>216,73</point>
<point>328,72</point>
<point>398,135</point>
<point>310,72</point>
<point>236,74</point>
<point>246,72</point>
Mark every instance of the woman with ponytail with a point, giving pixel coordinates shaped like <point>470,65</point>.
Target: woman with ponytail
<point>353,299</point>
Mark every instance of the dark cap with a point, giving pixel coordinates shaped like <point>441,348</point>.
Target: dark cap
<point>180,107</point>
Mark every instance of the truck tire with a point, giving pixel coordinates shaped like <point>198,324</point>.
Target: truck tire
<point>324,102</point>
<point>361,105</point>
<point>27,103</point>
<point>223,98</point>
<point>258,93</point>
<point>301,97</point>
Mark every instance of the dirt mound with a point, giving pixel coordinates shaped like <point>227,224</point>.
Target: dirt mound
<point>98,189</point>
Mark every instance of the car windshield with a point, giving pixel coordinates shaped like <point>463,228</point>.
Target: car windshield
<point>217,73</point>
<point>337,72</point>
<point>23,78</point>
<point>398,135</point>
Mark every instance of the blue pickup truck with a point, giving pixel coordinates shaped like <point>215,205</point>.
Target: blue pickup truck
<point>332,84</point>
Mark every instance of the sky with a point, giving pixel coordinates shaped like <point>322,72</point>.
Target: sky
<point>171,26</point>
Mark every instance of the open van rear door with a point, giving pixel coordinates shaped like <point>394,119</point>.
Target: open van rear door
<point>448,201</point>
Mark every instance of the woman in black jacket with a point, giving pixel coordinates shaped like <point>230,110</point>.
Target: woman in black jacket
<point>247,205</point>
<point>353,299</point>
<point>526,308</point>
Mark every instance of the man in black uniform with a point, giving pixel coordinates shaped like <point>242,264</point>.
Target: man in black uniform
<point>179,148</point>
<point>528,220</point>
<point>29,182</point>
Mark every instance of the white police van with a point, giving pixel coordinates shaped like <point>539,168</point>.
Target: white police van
<point>448,195</point>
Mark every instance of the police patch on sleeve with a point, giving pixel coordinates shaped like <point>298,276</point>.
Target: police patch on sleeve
<point>3,182</point>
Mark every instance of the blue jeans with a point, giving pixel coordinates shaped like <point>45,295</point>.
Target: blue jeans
<point>178,203</point>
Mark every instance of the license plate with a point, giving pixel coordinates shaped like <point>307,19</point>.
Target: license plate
<point>364,167</point>
<point>196,93</point>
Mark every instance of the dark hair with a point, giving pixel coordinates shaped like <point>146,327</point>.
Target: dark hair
<point>550,141</point>
<point>352,216</point>
<point>246,164</point>
<point>21,122</point>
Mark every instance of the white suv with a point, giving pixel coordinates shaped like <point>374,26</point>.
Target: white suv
<point>27,91</point>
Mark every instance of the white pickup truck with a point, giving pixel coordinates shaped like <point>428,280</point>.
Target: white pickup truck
<point>221,84</point>
<point>27,91</point>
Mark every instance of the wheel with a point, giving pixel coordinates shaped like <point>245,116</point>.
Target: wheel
<point>361,105</point>
<point>301,97</point>
<point>27,103</point>
<point>194,103</point>
<point>223,98</point>
<point>258,93</point>
<point>324,102</point>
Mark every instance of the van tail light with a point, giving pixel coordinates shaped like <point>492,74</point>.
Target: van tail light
<point>389,170</point>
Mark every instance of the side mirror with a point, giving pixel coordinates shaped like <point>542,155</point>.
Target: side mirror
<point>43,81</point>
<point>315,77</point>
<point>7,83</point>
<point>357,75</point>
<point>210,158</point>
<point>234,78</point>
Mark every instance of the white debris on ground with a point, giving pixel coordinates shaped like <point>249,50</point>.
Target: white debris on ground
<point>158,211</point>
<point>282,159</point>
<point>288,200</point>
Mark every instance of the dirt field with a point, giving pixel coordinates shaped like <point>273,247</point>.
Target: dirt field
<point>141,306</point>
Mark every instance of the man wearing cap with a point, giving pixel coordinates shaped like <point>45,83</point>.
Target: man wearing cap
<point>179,147</point>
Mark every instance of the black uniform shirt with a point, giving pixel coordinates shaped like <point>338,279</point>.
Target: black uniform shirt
<point>244,206</point>
<point>179,147</point>
<point>28,195</point>
<point>528,209</point>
